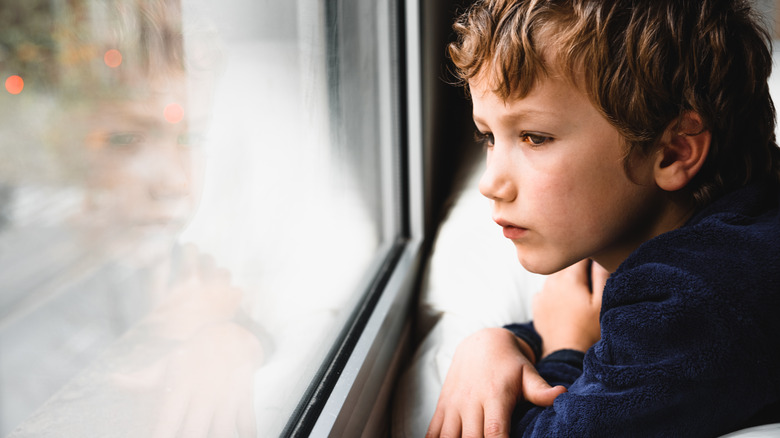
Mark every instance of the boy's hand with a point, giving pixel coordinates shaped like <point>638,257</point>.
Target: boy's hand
<point>208,385</point>
<point>566,311</point>
<point>489,373</point>
<point>203,294</point>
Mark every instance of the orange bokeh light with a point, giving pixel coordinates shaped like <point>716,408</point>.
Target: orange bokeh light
<point>14,84</point>
<point>173,113</point>
<point>112,58</point>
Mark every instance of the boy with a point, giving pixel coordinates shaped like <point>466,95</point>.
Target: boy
<point>637,136</point>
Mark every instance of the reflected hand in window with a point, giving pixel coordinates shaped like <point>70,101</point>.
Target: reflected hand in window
<point>202,294</point>
<point>205,382</point>
<point>208,386</point>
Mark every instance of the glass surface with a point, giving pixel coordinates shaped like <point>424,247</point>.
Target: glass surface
<point>192,196</point>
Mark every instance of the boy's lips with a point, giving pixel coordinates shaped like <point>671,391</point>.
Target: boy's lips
<point>511,231</point>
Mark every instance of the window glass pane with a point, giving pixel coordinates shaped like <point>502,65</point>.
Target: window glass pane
<point>193,195</point>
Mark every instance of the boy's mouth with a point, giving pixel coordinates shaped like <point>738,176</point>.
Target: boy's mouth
<point>511,231</point>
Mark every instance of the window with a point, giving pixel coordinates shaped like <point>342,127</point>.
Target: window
<point>210,210</point>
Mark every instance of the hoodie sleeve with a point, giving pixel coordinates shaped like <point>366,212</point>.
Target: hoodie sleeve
<point>559,368</point>
<point>527,332</point>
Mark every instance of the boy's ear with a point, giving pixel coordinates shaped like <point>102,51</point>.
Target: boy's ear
<point>683,148</point>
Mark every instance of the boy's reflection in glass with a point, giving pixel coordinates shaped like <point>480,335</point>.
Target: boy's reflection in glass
<point>140,172</point>
<point>124,131</point>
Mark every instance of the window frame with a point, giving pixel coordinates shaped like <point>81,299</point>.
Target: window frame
<point>350,394</point>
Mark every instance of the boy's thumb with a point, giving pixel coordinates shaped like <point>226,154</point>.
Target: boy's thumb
<point>537,391</point>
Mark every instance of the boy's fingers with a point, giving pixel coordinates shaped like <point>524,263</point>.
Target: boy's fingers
<point>473,421</point>
<point>434,429</point>
<point>246,423</point>
<point>497,416</point>
<point>546,397</point>
<point>451,427</point>
<point>537,391</point>
<point>578,272</point>
<point>599,277</point>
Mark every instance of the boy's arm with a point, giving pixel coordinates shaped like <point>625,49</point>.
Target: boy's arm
<point>566,312</point>
<point>489,372</point>
<point>494,369</point>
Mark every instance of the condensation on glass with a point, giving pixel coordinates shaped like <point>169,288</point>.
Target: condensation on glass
<point>192,196</point>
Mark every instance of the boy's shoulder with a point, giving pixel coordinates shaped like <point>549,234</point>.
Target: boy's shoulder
<point>732,243</point>
<point>754,203</point>
<point>733,224</point>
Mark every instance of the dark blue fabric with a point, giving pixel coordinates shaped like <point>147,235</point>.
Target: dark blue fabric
<point>528,333</point>
<point>690,327</point>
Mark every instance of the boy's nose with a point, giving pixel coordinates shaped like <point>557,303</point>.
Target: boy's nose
<point>496,183</point>
<point>172,177</point>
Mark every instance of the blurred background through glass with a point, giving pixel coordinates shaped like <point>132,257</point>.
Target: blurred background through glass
<point>192,196</point>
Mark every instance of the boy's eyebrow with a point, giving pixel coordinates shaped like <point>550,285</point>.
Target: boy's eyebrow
<point>134,117</point>
<point>520,115</point>
<point>478,120</point>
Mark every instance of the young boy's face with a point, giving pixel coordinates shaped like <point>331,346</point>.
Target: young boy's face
<point>556,178</point>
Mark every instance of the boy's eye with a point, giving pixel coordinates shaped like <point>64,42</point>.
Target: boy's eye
<point>486,138</point>
<point>119,139</point>
<point>535,139</point>
<point>188,139</point>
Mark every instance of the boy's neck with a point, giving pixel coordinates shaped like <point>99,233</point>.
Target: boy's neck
<point>672,214</point>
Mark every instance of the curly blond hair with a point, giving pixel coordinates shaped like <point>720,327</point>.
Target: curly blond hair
<point>642,63</point>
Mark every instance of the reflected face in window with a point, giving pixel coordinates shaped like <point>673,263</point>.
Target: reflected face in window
<point>141,165</point>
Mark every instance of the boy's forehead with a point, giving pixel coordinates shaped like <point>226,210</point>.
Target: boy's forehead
<point>546,99</point>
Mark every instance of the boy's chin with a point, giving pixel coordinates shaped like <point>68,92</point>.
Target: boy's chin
<point>541,264</point>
